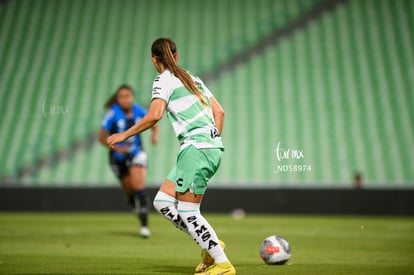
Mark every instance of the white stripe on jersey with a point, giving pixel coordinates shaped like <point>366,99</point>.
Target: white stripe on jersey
<point>183,103</point>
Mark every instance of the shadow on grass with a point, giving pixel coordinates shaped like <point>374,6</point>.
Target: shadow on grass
<point>125,234</point>
<point>171,269</point>
<point>154,270</point>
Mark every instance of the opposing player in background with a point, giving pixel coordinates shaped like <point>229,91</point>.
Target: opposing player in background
<point>128,160</point>
<point>197,119</point>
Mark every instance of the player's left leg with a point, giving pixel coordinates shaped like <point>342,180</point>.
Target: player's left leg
<point>121,171</point>
<point>138,175</point>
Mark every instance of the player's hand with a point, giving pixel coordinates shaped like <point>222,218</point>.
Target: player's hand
<point>115,138</point>
<point>120,149</point>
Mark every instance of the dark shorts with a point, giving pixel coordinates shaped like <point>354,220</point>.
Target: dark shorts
<point>121,168</point>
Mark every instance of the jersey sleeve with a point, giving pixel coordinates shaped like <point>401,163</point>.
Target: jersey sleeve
<point>206,90</point>
<point>161,89</point>
<point>108,121</point>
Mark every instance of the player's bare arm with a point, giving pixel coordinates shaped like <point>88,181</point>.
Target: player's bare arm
<point>154,114</point>
<point>218,114</point>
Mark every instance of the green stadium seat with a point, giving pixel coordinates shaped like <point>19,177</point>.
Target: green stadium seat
<point>339,89</point>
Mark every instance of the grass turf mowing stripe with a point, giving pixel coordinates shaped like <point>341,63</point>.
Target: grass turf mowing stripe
<point>109,243</point>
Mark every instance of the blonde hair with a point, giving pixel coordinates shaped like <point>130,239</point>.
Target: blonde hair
<point>164,50</point>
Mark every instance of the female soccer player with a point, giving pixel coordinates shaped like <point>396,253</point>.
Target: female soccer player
<point>197,119</point>
<point>128,159</point>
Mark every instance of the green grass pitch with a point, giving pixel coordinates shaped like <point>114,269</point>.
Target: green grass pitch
<point>108,243</point>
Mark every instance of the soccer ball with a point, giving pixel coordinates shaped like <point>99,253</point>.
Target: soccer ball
<point>275,250</point>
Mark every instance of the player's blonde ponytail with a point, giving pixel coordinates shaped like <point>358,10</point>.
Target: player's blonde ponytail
<point>164,50</point>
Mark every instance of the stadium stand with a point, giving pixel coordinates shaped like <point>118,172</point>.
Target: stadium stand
<point>338,89</point>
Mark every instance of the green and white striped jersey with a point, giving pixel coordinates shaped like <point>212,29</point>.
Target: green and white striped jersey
<point>193,123</point>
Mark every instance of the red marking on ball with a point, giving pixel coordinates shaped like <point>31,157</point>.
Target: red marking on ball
<point>272,249</point>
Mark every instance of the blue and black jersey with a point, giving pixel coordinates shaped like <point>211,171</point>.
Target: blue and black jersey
<point>116,121</point>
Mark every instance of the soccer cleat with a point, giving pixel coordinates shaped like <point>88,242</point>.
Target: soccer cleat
<point>145,232</point>
<point>206,259</point>
<point>225,268</point>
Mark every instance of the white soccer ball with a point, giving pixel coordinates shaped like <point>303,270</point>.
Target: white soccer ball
<point>275,250</point>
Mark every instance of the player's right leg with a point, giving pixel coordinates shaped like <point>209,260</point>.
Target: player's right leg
<point>120,170</point>
<point>165,203</point>
<point>129,192</point>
